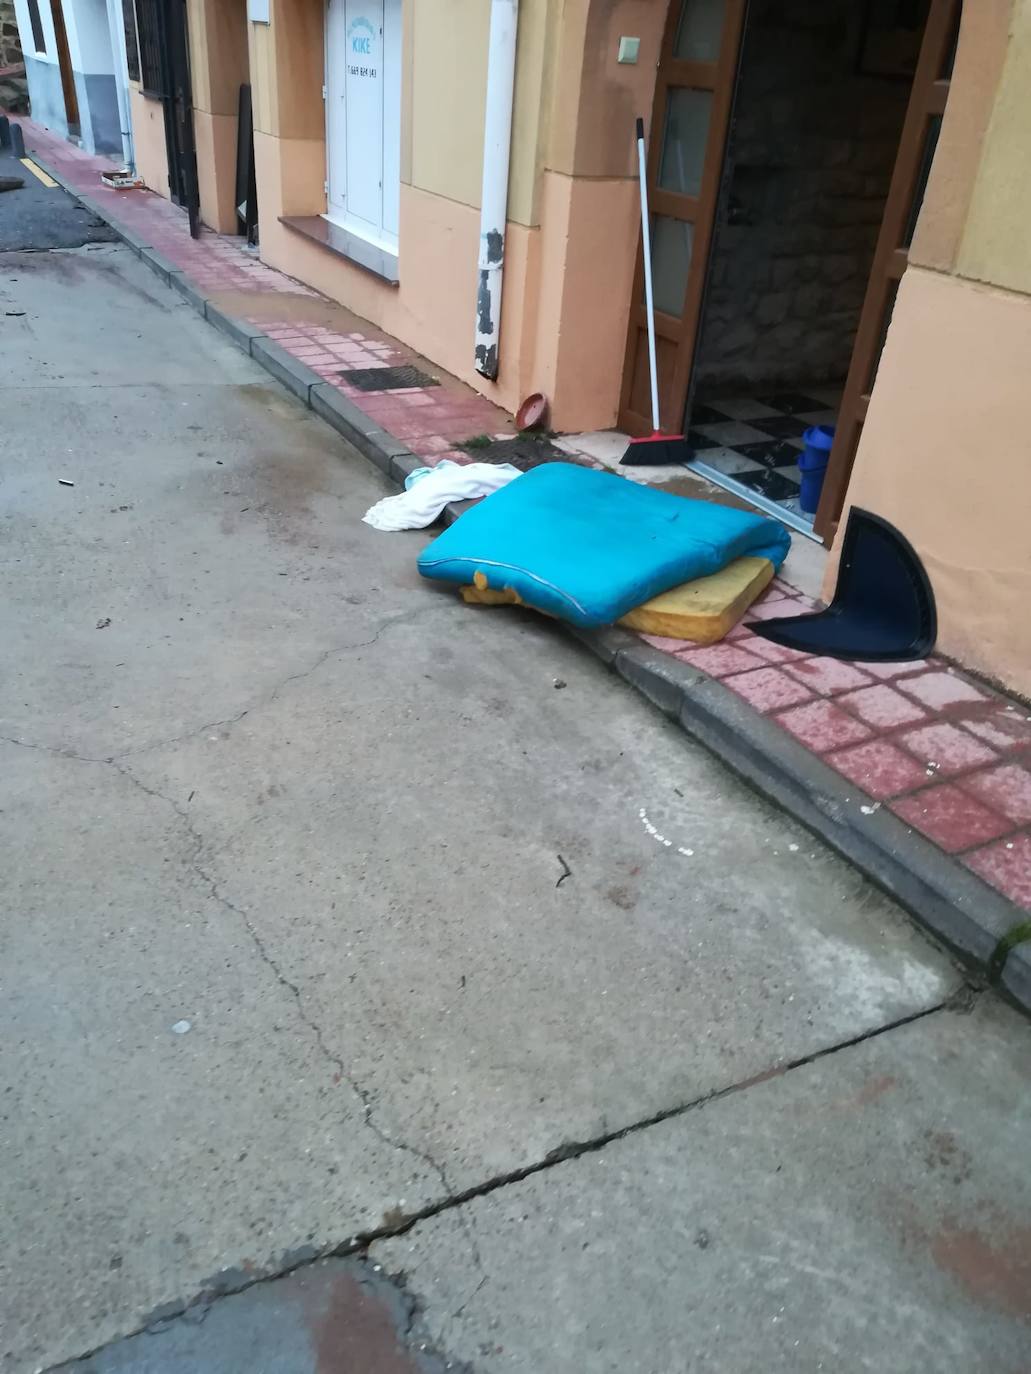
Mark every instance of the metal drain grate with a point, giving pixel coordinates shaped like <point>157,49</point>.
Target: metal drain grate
<point>522,453</point>
<point>386,378</point>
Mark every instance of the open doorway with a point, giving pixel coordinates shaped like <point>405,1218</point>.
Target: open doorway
<point>791,145</point>
<point>821,100</point>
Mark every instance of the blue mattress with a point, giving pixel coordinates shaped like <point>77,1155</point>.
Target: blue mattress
<point>588,546</point>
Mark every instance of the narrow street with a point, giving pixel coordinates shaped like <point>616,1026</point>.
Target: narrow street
<point>343,919</point>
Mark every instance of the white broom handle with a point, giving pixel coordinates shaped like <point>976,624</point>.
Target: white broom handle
<point>646,241</point>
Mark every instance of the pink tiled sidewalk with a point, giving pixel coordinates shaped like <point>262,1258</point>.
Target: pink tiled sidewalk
<point>429,420</point>
<point>949,757</point>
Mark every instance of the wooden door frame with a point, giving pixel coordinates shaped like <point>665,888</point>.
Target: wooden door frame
<point>720,77</point>
<point>64,63</point>
<point>891,256</point>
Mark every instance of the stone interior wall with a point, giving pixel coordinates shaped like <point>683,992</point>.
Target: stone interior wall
<point>10,44</point>
<point>810,161</point>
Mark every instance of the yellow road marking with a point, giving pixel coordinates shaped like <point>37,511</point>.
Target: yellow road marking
<point>37,171</point>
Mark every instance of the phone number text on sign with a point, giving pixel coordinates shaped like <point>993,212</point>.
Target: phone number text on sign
<point>361,71</point>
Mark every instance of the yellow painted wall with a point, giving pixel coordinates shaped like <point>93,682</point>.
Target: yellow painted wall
<point>976,70</point>
<point>287,63</point>
<point>262,57</point>
<point>148,136</point>
<point>944,457</point>
<point>448,75</point>
<point>215,137</point>
<point>449,82</point>
<point>218,53</point>
<point>219,65</point>
<point>943,453</point>
<point>596,98</point>
<point>531,106</point>
<point>996,245</point>
<point>572,215</point>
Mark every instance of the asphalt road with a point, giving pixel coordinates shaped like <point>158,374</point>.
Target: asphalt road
<point>286,963</point>
<point>43,217</point>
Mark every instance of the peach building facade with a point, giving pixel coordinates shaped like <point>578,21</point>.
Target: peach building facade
<point>940,452</point>
<point>943,454</point>
<point>572,221</point>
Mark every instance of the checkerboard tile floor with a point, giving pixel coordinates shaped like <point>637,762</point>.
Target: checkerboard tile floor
<point>751,444</point>
<point>950,757</point>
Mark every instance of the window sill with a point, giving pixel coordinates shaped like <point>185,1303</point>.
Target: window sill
<point>368,256</point>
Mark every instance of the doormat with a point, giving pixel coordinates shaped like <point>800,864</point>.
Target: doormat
<point>386,378</point>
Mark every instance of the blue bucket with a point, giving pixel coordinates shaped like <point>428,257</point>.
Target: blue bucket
<point>818,440</point>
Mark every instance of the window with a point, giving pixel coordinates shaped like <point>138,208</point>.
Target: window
<point>132,49</point>
<point>38,40</point>
<point>152,68</point>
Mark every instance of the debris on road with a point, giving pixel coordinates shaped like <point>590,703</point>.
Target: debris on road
<point>428,490</point>
<point>11,183</point>
<point>123,180</point>
<point>104,622</point>
<point>181,1027</point>
<point>590,547</point>
<point>567,872</point>
<point>659,838</point>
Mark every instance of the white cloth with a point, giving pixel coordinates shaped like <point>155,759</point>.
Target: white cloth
<point>420,505</point>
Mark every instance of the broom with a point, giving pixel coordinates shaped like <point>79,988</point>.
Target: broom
<point>656,448</point>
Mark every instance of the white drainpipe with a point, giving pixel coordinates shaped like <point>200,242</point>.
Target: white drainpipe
<point>116,25</point>
<point>497,147</point>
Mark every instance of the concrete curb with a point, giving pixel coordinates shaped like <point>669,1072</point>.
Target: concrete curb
<point>157,262</point>
<point>341,413</point>
<point>240,331</point>
<point>984,930</point>
<point>180,282</point>
<point>296,376</point>
<point>966,915</point>
<point>1015,978</point>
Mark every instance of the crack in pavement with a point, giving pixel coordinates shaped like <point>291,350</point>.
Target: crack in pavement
<point>961,1001</point>
<point>399,1222</point>
<point>260,704</point>
<point>51,749</point>
<point>194,862</point>
<point>272,694</point>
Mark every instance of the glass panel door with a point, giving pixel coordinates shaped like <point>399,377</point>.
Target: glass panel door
<point>700,31</point>
<point>672,241</point>
<point>684,140</point>
<point>694,92</point>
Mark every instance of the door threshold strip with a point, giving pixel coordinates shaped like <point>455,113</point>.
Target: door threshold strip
<point>755,498</point>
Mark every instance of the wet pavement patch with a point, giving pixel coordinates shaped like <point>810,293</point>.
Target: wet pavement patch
<point>338,1316</point>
